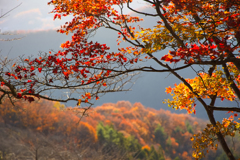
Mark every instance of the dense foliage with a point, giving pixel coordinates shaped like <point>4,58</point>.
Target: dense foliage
<point>202,35</point>
<point>111,131</point>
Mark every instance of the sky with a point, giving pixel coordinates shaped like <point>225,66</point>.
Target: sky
<point>33,15</point>
<point>29,15</point>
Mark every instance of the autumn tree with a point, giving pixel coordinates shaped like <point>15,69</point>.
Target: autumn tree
<point>198,33</point>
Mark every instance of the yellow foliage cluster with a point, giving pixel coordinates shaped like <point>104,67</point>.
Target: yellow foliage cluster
<point>204,86</point>
<point>208,137</point>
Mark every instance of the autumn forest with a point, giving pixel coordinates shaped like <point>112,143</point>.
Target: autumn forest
<point>48,130</point>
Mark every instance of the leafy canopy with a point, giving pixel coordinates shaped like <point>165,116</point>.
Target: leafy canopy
<point>202,33</point>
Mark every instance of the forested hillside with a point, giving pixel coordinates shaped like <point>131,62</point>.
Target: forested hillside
<point>48,130</point>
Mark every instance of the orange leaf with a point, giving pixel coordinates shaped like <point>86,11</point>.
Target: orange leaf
<point>79,102</point>
<point>168,90</point>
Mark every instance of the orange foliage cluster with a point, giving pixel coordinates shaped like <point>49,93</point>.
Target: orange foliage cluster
<point>46,117</point>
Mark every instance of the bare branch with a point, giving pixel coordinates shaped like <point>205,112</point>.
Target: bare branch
<point>235,109</point>
<point>10,11</point>
<point>143,13</point>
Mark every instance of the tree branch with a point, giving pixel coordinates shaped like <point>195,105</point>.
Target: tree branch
<point>167,25</point>
<point>146,14</point>
<point>10,11</point>
<point>232,83</point>
<point>235,109</point>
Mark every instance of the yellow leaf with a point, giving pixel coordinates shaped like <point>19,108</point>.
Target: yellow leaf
<point>79,102</point>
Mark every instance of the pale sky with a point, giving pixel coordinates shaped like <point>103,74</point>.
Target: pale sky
<point>33,15</point>
<point>30,15</point>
